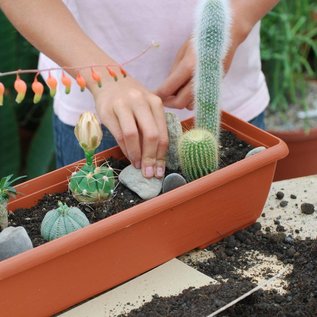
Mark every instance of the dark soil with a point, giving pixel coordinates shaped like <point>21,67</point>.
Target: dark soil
<point>299,301</point>
<point>231,150</point>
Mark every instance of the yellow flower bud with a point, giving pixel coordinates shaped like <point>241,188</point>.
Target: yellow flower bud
<point>88,132</point>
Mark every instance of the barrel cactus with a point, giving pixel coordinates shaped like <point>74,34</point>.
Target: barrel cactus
<point>210,43</point>
<point>91,183</point>
<point>199,146</point>
<point>61,221</point>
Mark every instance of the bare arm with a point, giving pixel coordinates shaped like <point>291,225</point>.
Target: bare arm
<point>176,91</point>
<point>134,115</point>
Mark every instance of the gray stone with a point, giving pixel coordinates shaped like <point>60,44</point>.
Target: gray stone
<point>146,188</point>
<point>256,150</point>
<point>175,131</point>
<point>172,181</point>
<point>14,240</point>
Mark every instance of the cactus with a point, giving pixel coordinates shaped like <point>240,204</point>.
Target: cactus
<point>210,43</point>
<point>6,191</point>
<point>175,131</point>
<point>199,146</point>
<point>61,221</point>
<point>92,184</point>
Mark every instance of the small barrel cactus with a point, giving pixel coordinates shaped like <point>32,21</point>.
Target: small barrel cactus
<point>199,146</point>
<point>92,184</point>
<point>61,221</point>
<point>211,41</point>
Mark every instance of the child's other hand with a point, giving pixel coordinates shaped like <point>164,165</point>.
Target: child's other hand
<point>176,91</point>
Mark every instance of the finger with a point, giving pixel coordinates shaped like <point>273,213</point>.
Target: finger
<point>178,78</point>
<point>150,138</point>
<point>183,99</point>
<point>159,115</point>
<point>130,133</point>
<point>113,126</point>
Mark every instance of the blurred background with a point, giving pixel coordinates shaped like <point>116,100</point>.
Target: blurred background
<point>289,57</point>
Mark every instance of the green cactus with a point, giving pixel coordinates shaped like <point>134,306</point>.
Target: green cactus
<point>92,184</point>
<point>210,43</point>
<point>199,146</point>
<point>61,221</point>
<point>6,191</point>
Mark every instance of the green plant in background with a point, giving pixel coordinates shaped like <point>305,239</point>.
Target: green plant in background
<point>25,129</point>
<point>6,191</point>
<point>61,221</point>
<point>288,42</point>
<point>198,148</point>
<point>91,183</point>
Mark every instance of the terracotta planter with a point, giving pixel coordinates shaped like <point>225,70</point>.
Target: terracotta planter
<point>66,271</point>
<point>301,160</point>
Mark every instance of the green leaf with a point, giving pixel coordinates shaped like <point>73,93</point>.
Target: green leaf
<point>41,152</point>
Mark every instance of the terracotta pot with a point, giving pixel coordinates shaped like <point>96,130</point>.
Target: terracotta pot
<point>301,160</point>
<point>68,270</point>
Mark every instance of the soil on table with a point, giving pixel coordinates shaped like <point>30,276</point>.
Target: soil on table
<point>231,150</point>
<point>231,256</point>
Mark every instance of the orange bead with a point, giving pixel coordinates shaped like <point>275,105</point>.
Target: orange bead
<point>38,90</point>
<point>81,82</point>
<point>96,78</point>
<point>20,87</point>
<point>123,72</point>
<point>112,74</point>
<point>52,84</point>
<point>1,93</point>
<point>66,82</point>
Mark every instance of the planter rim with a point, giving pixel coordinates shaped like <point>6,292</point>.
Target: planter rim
<point>276,149</point>
<point>295,135</point>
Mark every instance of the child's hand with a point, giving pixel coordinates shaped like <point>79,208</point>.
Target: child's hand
<point>136,119</point>
<point>176,91</point>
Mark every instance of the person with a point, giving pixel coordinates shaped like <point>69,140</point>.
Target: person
<point>79,33</point>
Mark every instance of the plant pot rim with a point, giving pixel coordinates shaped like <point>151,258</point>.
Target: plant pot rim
<point>296,135</point>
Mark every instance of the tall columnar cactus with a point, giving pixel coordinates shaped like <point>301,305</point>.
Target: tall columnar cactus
<point>61,221</point>
<point>6,191</point>
<point>91,183</point>
<point>211,37</point>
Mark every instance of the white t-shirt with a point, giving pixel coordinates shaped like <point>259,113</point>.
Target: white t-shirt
<point>123,28</point>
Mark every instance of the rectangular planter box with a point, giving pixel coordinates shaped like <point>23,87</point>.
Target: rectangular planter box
<point>66,271</point>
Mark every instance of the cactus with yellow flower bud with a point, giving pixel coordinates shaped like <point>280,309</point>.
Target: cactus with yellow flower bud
<point>91,183</point>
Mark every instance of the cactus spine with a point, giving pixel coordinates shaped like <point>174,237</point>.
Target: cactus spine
<point>210,42</point>
<point>61,221</point>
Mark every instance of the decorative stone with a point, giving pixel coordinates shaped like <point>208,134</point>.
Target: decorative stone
<point>175,131</point>
<point>14,240</point>
<point>146,188</point>
<point>173,181</point>
<point>255,151</point>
